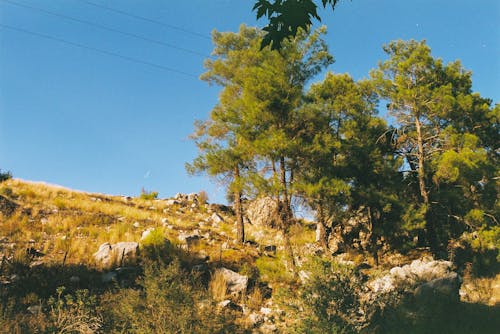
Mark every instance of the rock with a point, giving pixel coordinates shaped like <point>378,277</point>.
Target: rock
<point>189,239</point>
<point>268,328</point>
<point>304,276</point>
<point>35,309</point>
<point>171,202</point>
<point>270,250</point>
<point>445,288</point>
<point>108,253</point>
<point>193,197</point>
<point>216,218</point>
<point>423,277</point>
<point>265,310</point>
<point>74,279</point>
<point>147,232</point>
<point>136,224</point>
<point>235,282</point>
<point>255,319</point>
<point>109,277</point>
<point>228,304</point>
<point>263,212</point>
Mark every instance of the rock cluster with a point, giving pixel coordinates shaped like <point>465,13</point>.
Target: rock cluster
<point>424,278</point>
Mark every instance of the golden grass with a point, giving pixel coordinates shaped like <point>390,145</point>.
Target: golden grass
<point>218,287</point>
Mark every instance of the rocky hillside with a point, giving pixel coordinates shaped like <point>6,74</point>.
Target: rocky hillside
<point>75,262</point>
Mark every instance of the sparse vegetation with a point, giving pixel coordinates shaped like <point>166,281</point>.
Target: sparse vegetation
<point>148,195</point>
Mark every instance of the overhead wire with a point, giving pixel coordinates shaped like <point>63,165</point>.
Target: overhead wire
<point>109,53</point>
<point>139,17</point>
<point>103,27</point>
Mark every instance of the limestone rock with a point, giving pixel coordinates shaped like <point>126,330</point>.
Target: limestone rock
<point>236,283</point>
<point>228,304</point>
<point>263,212</point>
<point>108,253</point>
<point>423,277</point>
<point>216,218</point>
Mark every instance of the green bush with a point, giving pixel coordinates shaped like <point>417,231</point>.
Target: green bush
<point>4,176</point>
<point>156,247</point>
<point>73,313</point>
<point>148,195</point>
<point>328,300</point>
<point>168,300</point>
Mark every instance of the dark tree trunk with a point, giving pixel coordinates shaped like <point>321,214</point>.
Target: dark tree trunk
<point>240,224</point>
<point>285,212</point>
<point>321,228</point>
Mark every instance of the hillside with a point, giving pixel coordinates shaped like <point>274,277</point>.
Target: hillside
<point>75,262</point>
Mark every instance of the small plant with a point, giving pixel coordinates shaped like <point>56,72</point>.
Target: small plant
<point>203,197</point>
<point>156,247</point>
<point>148,195</point>
<point>73,314</point>
<point>4,176</point>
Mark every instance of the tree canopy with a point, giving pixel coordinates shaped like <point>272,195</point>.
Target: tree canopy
<point>427,178</point>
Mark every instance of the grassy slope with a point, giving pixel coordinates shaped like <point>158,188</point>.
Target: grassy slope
<point>64,223</point>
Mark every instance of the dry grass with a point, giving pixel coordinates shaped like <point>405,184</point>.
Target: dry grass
<point>481,290</point>
<point>218,287</point>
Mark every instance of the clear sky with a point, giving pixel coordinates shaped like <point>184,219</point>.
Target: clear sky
<point>108,107</point>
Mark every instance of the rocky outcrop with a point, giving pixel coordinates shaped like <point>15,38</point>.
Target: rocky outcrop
<point>263,212</point>
<point>424,278</point>
<point>119,252</point>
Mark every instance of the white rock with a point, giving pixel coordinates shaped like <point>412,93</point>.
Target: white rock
<point>236,283</point>
<point>216,218</point>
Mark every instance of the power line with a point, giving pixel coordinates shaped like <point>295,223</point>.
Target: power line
<point>138,17</point>
<point>109,53</point>
<point>100,26</point>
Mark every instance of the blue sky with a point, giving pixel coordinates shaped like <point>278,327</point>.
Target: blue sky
<point>92,121</point>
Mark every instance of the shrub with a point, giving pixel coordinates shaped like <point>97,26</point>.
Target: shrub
<point>327,301</point>
<point>4,176</point>
<point>156,247</point>
<point>148,195</point>
<point>73,314</point>
<point>203,197</point>
<point>169,301</point>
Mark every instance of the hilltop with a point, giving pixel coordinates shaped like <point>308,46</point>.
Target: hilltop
<point>100,263</point>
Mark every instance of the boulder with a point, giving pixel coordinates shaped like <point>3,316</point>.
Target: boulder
<point>235,282</point>
<point>255,319</point>
<point>424,278</point>
<point>108,253</point>
<point>35,309</point>
<point>216,218</point>
<point>229,304</point>
<point>445,288</point>
<point>263,212</point>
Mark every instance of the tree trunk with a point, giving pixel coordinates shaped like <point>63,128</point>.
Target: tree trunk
<point>373,238</point>
<point>420,157</point>
<point>285,213</point>
<point>321,230</point>
<point>240,224</point>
